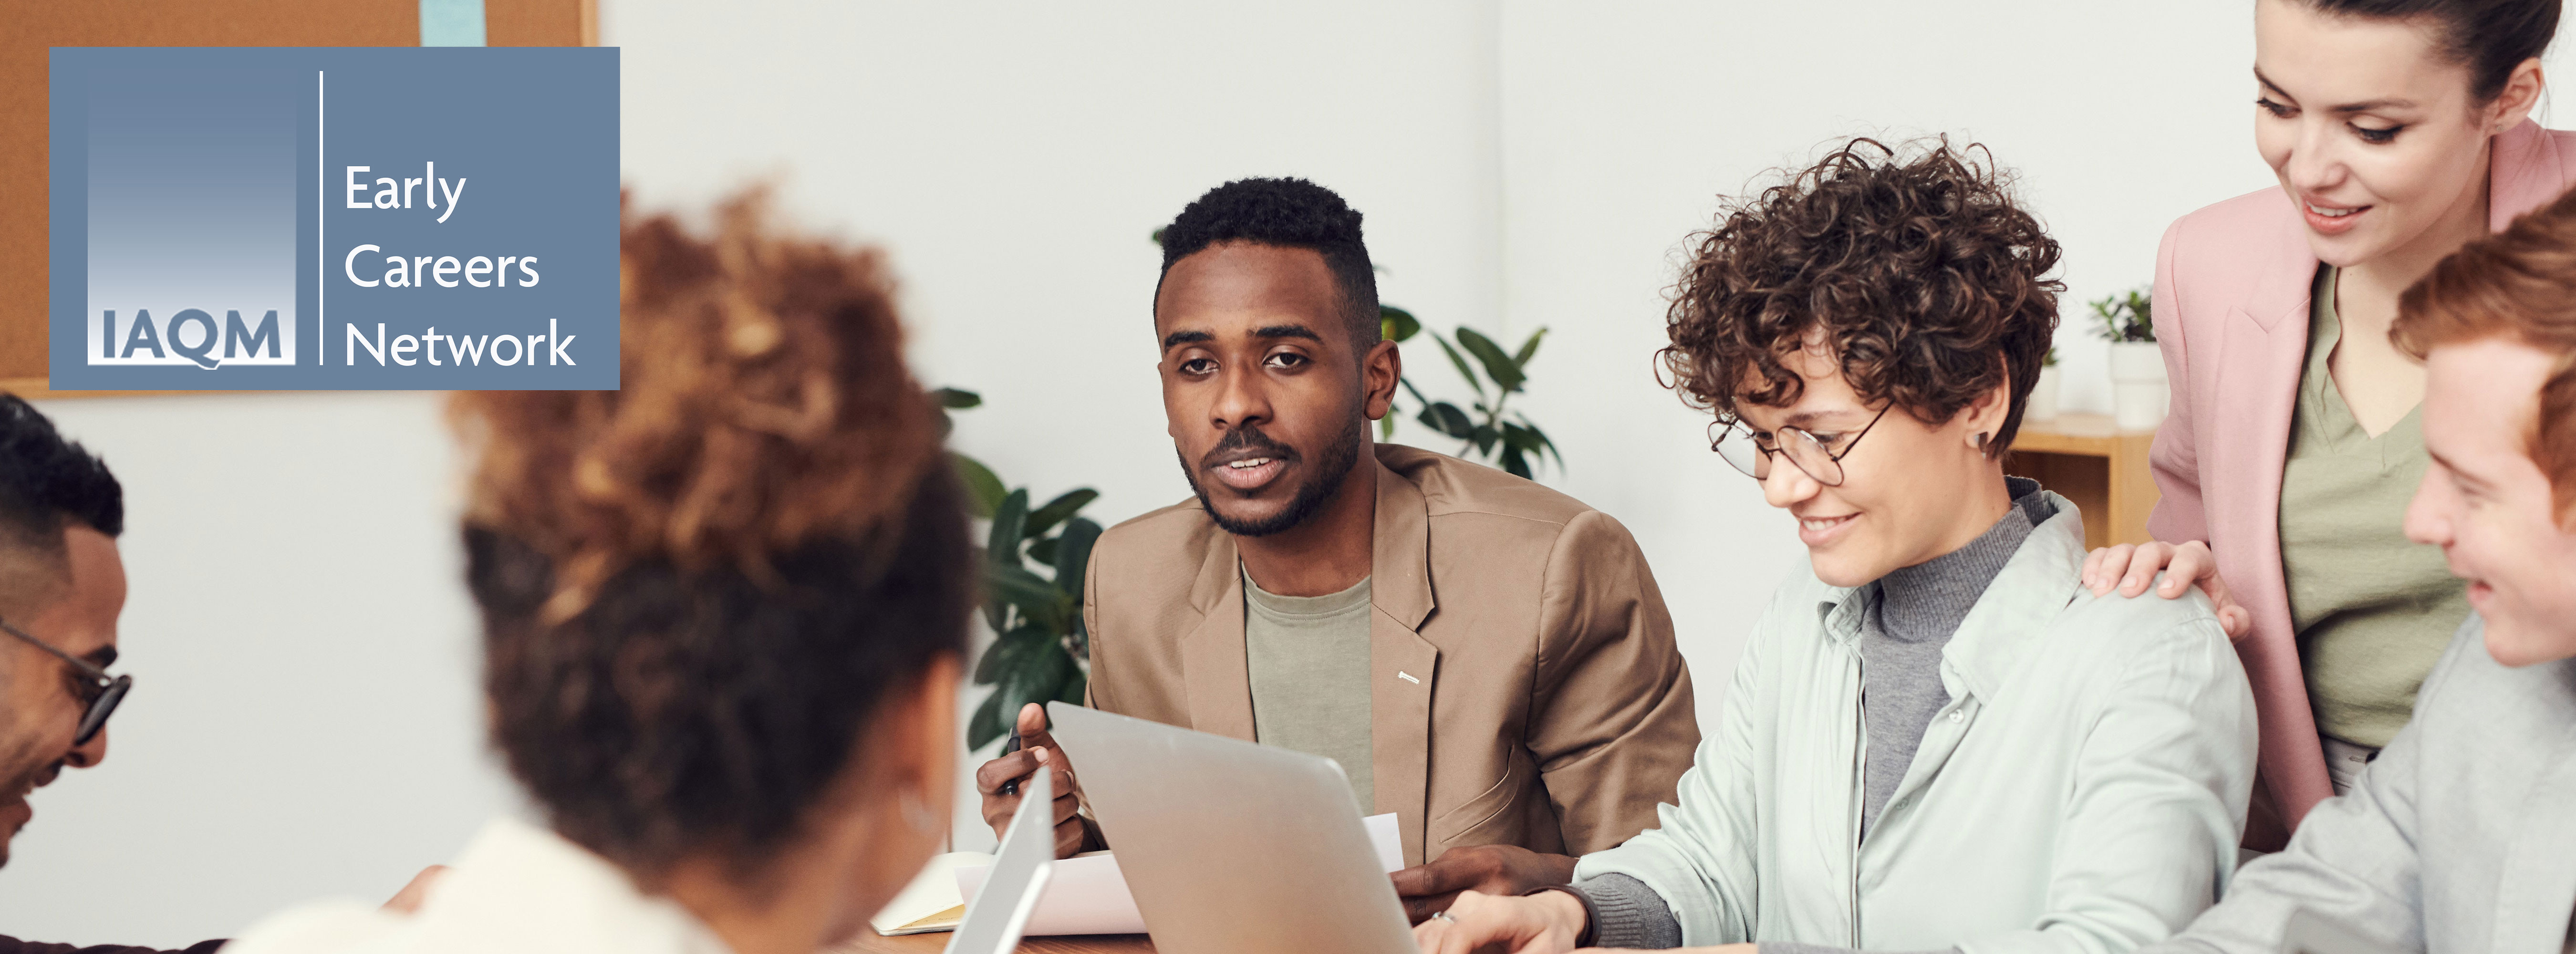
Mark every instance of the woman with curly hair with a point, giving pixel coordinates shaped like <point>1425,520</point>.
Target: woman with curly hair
<point>722,610</point>
<point>1934,738</point>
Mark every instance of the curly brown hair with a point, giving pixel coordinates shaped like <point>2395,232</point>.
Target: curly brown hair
<point>696,589</point>
<point>1927,282</point>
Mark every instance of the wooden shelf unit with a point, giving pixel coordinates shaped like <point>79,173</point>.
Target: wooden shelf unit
<point>2088,459</point>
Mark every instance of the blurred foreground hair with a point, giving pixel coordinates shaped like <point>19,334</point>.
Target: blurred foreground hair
<point>697,590</point>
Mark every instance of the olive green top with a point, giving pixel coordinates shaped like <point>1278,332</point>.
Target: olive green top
<point>2373,610</point>
<point>1308,661</point>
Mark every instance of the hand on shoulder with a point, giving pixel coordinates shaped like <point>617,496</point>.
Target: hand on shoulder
<point>2132,568</point>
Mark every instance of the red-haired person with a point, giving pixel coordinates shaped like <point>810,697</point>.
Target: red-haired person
<point>2461,835</point>
<point>722,610</point>
<point>1935,739</point>
<point>2399,132</point>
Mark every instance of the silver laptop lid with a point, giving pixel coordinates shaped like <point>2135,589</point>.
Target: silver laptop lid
<point>1229,846</point>
<point>1020,868</point>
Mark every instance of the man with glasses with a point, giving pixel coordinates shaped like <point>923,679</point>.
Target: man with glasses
<point>62,586</point>
<point>1935,739</point>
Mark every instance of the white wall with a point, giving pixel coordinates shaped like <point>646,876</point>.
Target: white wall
<point>305,722</point>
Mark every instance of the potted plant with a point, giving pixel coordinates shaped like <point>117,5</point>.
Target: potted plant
<point>1513,444</point>
<point>1040,652</point>
<point>2138,391</point>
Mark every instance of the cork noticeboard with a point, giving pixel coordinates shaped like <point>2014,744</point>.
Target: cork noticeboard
<point>28,30</point>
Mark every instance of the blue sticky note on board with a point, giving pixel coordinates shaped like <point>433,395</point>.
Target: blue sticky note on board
<point>451,22</point>
<point>347,219</point>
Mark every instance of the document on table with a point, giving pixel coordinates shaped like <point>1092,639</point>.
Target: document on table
<point>1088,895</point>
<point>930,902</point>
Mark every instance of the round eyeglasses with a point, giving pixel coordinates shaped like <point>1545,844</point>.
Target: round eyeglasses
<point>103,691</point>
<point>1811,454</point>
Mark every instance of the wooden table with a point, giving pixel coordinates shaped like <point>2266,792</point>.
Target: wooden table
<point>2091,461</point>
<point>870,943</point>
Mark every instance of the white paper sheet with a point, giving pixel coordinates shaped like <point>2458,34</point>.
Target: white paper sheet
<point>932,891</point>
<point>1384,836</point>
<point>1088,895</point>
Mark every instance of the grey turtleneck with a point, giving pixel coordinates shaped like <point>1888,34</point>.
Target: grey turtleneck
<point>1917,609</point>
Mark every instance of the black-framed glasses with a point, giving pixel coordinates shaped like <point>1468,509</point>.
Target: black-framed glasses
<point>1753,456</point>
<point>104,691</point>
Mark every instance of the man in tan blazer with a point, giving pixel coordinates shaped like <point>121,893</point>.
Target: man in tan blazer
<point>1486,658</point>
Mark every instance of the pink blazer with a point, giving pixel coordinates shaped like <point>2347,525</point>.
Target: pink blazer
<point>2231,310</point>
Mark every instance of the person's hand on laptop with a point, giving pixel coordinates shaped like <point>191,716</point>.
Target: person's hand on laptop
<point>1037,748</point>
<point>1543,923</point>
<point>1504,870</point>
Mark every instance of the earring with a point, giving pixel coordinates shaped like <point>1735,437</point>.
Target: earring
<point>1978,441</point>
<point>917,814</point>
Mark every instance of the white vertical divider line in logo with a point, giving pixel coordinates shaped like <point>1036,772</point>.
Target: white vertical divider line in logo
<point>321,204</point>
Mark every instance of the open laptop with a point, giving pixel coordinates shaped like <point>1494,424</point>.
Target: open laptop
<point>1232,846</point>
<point>1000,909</point>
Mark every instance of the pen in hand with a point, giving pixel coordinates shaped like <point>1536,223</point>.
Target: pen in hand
<point>1012,787</point>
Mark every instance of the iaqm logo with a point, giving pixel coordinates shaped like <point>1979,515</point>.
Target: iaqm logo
<point>194,337</point>
<point>284,219</point>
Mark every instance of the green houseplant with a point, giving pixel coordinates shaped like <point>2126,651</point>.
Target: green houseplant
<point>2138,391</point>
<point>2126,317</point>
<point>1508,441</point>
<point>1032,564</point>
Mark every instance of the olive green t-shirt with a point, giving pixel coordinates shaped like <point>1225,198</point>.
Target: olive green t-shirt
<point>1308,659</point>
<point>2373,610</point>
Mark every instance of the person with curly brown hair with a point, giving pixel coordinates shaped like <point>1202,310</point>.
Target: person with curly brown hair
<point>722,609</point>
<point>1935,739</point>
<point>1485,658</point>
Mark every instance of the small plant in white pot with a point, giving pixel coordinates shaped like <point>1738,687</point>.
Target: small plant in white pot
<point>2042,404</point>
<point>2138,391</point>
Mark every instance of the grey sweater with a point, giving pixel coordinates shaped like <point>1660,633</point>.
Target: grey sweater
<point>1917,611</point>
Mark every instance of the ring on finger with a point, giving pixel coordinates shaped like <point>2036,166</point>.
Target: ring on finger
<point>1443,916</point>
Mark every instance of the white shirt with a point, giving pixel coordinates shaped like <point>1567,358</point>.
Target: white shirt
<point>2082,791</point>
<point>515,888</point>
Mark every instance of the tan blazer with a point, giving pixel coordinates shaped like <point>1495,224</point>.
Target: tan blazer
<point>1527,691</point>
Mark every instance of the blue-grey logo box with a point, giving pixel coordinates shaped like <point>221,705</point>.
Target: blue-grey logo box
<point>361,218</point>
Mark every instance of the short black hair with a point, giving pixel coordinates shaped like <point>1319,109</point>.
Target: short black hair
<point>1288,213</point>
<point>46,481</point>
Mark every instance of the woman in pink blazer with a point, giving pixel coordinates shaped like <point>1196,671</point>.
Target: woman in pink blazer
<point>2398,131</point>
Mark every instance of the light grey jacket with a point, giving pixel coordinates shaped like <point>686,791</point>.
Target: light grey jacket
<point>2083,791</point>
<point>2460,837</point>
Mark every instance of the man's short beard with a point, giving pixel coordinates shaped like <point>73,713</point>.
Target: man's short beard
<point>1339,457</point>
<point>22,783</point>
